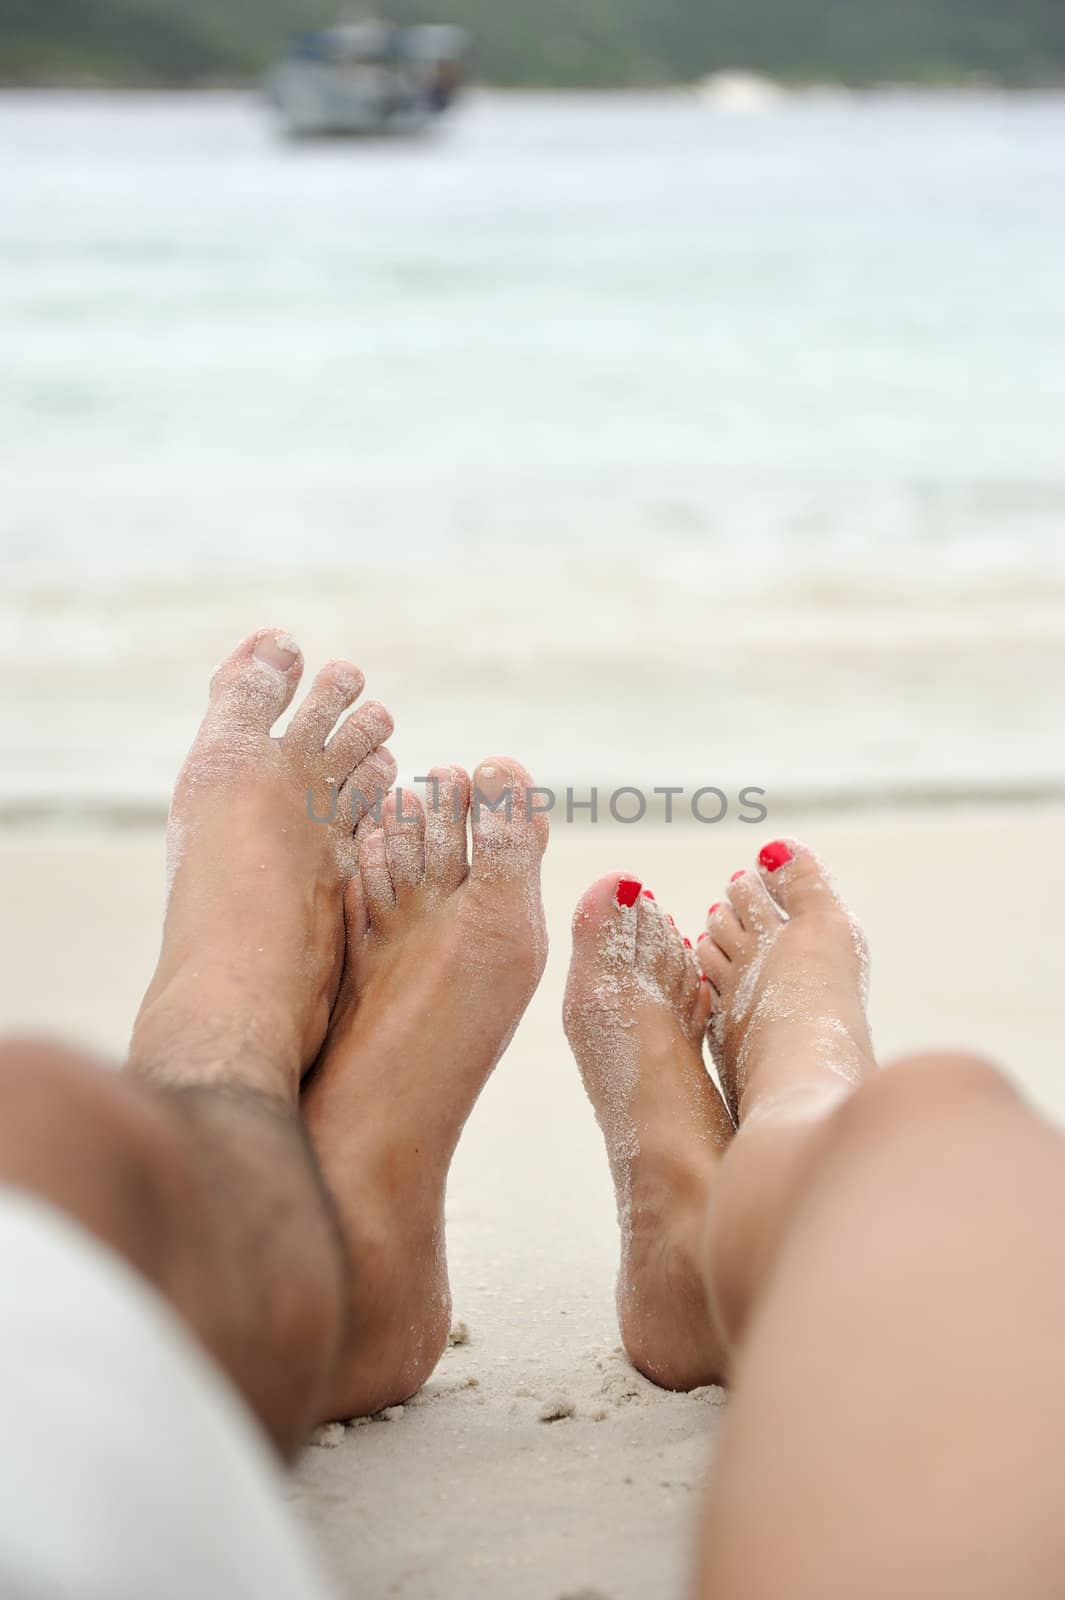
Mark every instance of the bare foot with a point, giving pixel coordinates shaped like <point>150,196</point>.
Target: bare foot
<point>442,960</point>
<point>701,1210</point>
<point>788,968</point>
<point>635,1015</point>
<point>253,938</point>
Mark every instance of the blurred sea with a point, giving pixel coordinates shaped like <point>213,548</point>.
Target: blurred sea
<point>655,443</point>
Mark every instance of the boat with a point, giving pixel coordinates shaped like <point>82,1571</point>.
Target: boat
<point>740,91</point>
<point>368,79</point>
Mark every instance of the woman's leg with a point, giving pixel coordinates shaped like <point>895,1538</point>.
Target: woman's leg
<point>874,1248</point>
<point>898,1420</point>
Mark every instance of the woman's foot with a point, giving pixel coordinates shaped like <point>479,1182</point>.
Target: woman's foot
<point>253,938</point>
<point>443,956</point>
<point>635,1015</point>
<point>788,970</point>
<point>702,1210</point>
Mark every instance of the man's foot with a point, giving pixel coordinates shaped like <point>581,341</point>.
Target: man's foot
<point>442,959</point>
<point>788,970</point>
<point>635,1015</point>
<point>253,937</point>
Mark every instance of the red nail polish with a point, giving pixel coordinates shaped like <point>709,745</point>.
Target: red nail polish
<point>671,922</point>
<point>703,978</point>
<point>701,937</point>
<point>716,906</point>
<point>775,855</point>
<point>648,895</point>
<point>628,891</point>
<point>687,944</point>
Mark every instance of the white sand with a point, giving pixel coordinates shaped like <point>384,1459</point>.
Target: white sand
<point>470,1493</point>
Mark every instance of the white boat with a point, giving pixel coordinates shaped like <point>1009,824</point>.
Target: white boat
<point>368,79</point>
<point>740,91</point>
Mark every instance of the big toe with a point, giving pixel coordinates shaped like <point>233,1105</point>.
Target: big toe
<point>620,935</point>
<point>509,823</point>
<point>254,684</point>
<point>609,906</point>
<point>796,878</point>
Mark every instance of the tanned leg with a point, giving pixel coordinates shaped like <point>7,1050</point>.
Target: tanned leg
<point>446,945</point>
<point>193,1164</point>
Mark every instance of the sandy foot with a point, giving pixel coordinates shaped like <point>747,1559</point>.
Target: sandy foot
<point>788,969</point>
<point>443,957</point>
<point>698,1196</point>
<point>635,1015</point>
<point>253,936</point>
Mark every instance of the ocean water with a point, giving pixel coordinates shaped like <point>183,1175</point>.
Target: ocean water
<point>658,444</point>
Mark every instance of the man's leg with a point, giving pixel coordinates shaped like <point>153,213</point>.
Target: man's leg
<point>193,1164</point>
<point>446,944</point>
<point>129,1466</point>
<point>210,1193</point>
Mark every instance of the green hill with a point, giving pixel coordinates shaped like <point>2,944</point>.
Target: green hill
<point>555,42</point>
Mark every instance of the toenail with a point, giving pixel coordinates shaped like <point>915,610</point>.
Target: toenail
<point>273,648</point>
<point>701,937</point>
<point>740,874</point>
<point>648,895</point>
<point>715,907</point>
<point>489,785</point>
<point>628,891</point>
<point>687,944</point>
<point>775,855</point>
<point>671,921</point>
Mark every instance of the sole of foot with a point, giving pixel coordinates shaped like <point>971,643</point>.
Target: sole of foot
<point>704,1181</point>
<point>260,845</point>
<point>635,1015</point>
<point>445,948</point>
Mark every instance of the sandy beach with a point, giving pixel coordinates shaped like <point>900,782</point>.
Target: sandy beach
<point>536,1464</point>
<point>656,444</point>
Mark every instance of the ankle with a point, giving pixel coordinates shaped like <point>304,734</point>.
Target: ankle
<point>389,1354</point>
<point>664,1308</point>
<point>184,1038</point>
<point>764,1177</point>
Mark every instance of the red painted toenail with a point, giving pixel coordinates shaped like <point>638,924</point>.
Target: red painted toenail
<point>701,937</point>
<point>671,922</point>
<point>742,873</point>
<point>715,907</point>
<point>775,855</point>
<point>648,895</point>
<point>628,891</point>
<point>687,944</point>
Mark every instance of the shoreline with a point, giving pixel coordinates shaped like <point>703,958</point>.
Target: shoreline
<point>55,815</point>
<point>788,89</point>
<point>594,1476</point>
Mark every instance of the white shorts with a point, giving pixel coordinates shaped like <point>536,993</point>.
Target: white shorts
<point>129,1467</point>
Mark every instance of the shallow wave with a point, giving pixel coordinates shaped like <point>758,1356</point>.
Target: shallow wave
<point>594,672</point>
